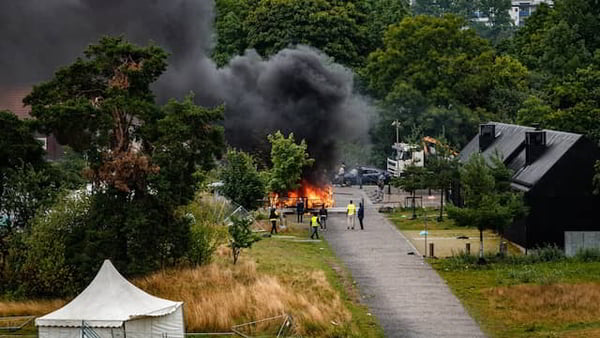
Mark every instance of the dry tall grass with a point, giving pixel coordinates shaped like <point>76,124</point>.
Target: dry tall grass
<point>30,308</point>
<point>218,296</point>
<point>563,303</point>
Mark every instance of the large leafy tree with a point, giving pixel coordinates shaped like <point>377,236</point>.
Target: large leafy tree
<point>142,157</point>
<point>289,160</point>
<point>241,181</point>
<point>435,74</point>
<point>413,179</point>
<point>335,27</point>
<point>345,30</point>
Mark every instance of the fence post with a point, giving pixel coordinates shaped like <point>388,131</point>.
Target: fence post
<point>431,252</point>
<point>468,248</point>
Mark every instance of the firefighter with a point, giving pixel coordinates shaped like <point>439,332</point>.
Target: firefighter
<point>273,218</point>
<point>350,212</point>
<point>315,223</point>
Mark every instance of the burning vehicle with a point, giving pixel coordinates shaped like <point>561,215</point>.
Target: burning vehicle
<point>314,197</point>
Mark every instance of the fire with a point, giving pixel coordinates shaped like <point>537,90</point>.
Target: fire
<point>314,196</point>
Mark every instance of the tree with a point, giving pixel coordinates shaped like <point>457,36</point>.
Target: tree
<point>230,29</point>
<point>241,180</point>
<point>289,160</point>
<point>414,178</point>
<point>241,236</point>
<point>96,106</point>
<point>434,74</point>
<point>444,168</point>
<point>380,15</point>
<point>143,159</point>
<point>334,27</point>
<point>596,178</point>
<point>489,204</point>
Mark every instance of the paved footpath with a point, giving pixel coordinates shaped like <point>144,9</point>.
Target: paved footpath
<point>401,290</point>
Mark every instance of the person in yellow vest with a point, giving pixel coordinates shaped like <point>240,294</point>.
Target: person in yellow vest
<point>315,223</point>
<point>351,212</point>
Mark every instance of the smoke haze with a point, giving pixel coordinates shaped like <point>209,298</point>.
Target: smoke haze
<point>298,90</point>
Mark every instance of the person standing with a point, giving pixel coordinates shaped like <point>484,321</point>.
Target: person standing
<point>350,212</point>
<point>273,218</point>
<point>300,209</point>
<point>314,223</point>
<point>323,217</point>
<point>361,214</point>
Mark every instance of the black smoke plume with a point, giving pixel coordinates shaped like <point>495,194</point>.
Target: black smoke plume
<point>298,90</point>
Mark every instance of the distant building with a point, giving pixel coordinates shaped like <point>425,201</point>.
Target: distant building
<point>554,170</point>
<point>12,99</point>
<point>522,9</point>
<point>519,12</point>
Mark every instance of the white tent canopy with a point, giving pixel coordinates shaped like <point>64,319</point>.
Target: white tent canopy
<point>110,302</point>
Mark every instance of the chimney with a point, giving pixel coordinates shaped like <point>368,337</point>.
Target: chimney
<point>535,144</point>
<point>487,135</point>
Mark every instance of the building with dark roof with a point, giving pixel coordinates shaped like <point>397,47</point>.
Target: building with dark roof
<point>553,169</point>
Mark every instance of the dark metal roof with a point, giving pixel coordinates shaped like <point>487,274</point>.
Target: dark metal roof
<point>510,144</point>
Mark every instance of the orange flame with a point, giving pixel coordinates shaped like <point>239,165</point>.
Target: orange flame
<point>314,196</point>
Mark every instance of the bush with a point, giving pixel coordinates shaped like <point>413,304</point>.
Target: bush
<point>46,271</point>
<point>588,255</point>
<point>241,236</point>
<point>548,253</point>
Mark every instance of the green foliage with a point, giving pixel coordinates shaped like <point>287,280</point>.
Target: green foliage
<point>241,235</point>
<point>47,270</point>
<point>241,180</point>
<point>70,168</point>
<point>230,29</point>
<point>289,159</point>
<point>489,201</point>
<point>185,139</point>
<point>414,178</point>
<point>25,192</point>
<point>17,144</point>
<point>92,103</point>
<point>498,26</point>
<point>434,74</point>
<point>588,255</point>
<point>596,178</point>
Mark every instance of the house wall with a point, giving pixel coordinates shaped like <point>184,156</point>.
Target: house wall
<point>562,200</point>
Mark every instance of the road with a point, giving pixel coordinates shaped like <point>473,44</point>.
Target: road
<point>401,290</point>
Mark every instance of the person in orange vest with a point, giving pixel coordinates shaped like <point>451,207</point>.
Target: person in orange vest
<point>350,212</point>
<point>315,223</point>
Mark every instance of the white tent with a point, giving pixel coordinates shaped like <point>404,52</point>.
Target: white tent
<point>112,307</point>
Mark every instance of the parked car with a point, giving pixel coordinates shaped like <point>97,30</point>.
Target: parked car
<point>370,175</point>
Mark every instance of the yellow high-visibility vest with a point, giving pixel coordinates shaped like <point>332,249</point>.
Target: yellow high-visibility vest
<point>313,221</point>
<point>351,209</point>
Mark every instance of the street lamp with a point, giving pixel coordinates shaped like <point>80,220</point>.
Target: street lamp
<point>396,124</point>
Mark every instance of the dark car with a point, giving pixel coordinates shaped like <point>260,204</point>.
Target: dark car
<point>369,176</point>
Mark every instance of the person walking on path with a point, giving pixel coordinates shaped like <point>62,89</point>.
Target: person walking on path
<point>273,218</point>
<point>351,211</point>
<point>323,217</point>
<point>300,209</point>
<point>361,214</point>
<point>315,223</point>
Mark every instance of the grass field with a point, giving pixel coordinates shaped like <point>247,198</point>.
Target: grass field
<point>552,299</point>
<point>278,275</point>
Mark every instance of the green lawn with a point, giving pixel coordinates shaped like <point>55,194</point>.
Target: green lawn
<point>552,299</point>
<point>402,219</point>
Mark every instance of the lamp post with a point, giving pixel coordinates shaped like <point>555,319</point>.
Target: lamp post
<point>396,124</point>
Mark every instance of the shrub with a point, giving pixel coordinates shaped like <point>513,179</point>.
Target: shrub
<point>548,253</point>
<point>46,271</point>
<point>588,255</point>
<point>241,235</point>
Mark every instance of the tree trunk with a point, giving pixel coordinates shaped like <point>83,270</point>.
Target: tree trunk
<point>414,196</point>
<point>480,244</point>
<point>441,218</point>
